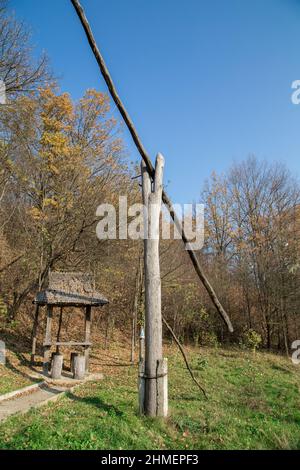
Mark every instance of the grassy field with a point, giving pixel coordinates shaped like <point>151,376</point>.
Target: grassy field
<point>254,403</point>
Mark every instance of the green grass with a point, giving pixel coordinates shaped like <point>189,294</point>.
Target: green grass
<point>15,374</point>
<point>11,380</point>
<point>254,403</point>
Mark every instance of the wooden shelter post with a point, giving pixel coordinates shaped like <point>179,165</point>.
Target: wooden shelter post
<point>155,399</point>
<point>47,342</point>
<point>87,329</point>
<point>59,329</point>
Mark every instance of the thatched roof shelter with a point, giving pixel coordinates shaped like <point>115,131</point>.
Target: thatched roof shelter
<point>70,289</point>
<point>66,290</point>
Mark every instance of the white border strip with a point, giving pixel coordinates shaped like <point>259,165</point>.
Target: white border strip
<point>20,391</point>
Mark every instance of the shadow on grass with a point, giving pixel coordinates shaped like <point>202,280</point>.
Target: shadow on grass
<point>17,371</point>
<point>186,397</point>
<point>96,402</point>
<point>15,342</point>
<point>112,364</point>
<point>281,369</point>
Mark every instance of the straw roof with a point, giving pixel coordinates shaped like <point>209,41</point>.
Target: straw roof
<point>70,289</point>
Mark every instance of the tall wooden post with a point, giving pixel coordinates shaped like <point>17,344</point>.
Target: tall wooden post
<point>154,372</point>
<point>88,318</point>
<point>47,342</point>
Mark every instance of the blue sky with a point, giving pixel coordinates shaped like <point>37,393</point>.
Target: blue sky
<point>207,82</point>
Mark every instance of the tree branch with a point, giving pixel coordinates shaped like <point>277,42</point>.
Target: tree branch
<point>184,357</point>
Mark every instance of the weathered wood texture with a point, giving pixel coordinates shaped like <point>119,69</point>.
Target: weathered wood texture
<point>72,357</point>
<point>50,360</point>
<point>79,367</point>
<point>59,330</point>
<point>141,386</point>
<point>65,289</point>
<point>66,343</point>
<point>153,320</point>
<point>146,159</point>
<point>47,339</point>
<point>56,366</point>
<point>162,387</point>
<point>70,289</point>
<point>87,328</point>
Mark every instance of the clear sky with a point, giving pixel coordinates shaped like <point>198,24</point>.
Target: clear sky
<point>206,82</point>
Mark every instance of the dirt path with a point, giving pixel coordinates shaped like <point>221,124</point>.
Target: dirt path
<point>23,403</point>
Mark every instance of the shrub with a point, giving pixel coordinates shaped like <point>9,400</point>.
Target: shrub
<point>250,339</point>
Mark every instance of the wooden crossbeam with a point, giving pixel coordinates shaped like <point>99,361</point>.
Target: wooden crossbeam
<point>167,201</point>
<point>67,343</point>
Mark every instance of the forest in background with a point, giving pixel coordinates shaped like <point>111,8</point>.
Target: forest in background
<point>59,160</point>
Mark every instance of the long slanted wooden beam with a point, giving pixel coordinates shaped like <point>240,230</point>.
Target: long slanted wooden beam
<point>106,75</point>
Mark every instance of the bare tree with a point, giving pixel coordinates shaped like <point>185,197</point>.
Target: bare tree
<point>17,68</point>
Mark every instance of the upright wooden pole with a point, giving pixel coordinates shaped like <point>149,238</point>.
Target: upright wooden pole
<point>47,342</point>
<point>153,320</point>
<point>59,329</point>
<point>88,319</point>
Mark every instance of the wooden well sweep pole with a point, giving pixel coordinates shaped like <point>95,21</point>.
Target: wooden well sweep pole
<point>105,73</point>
